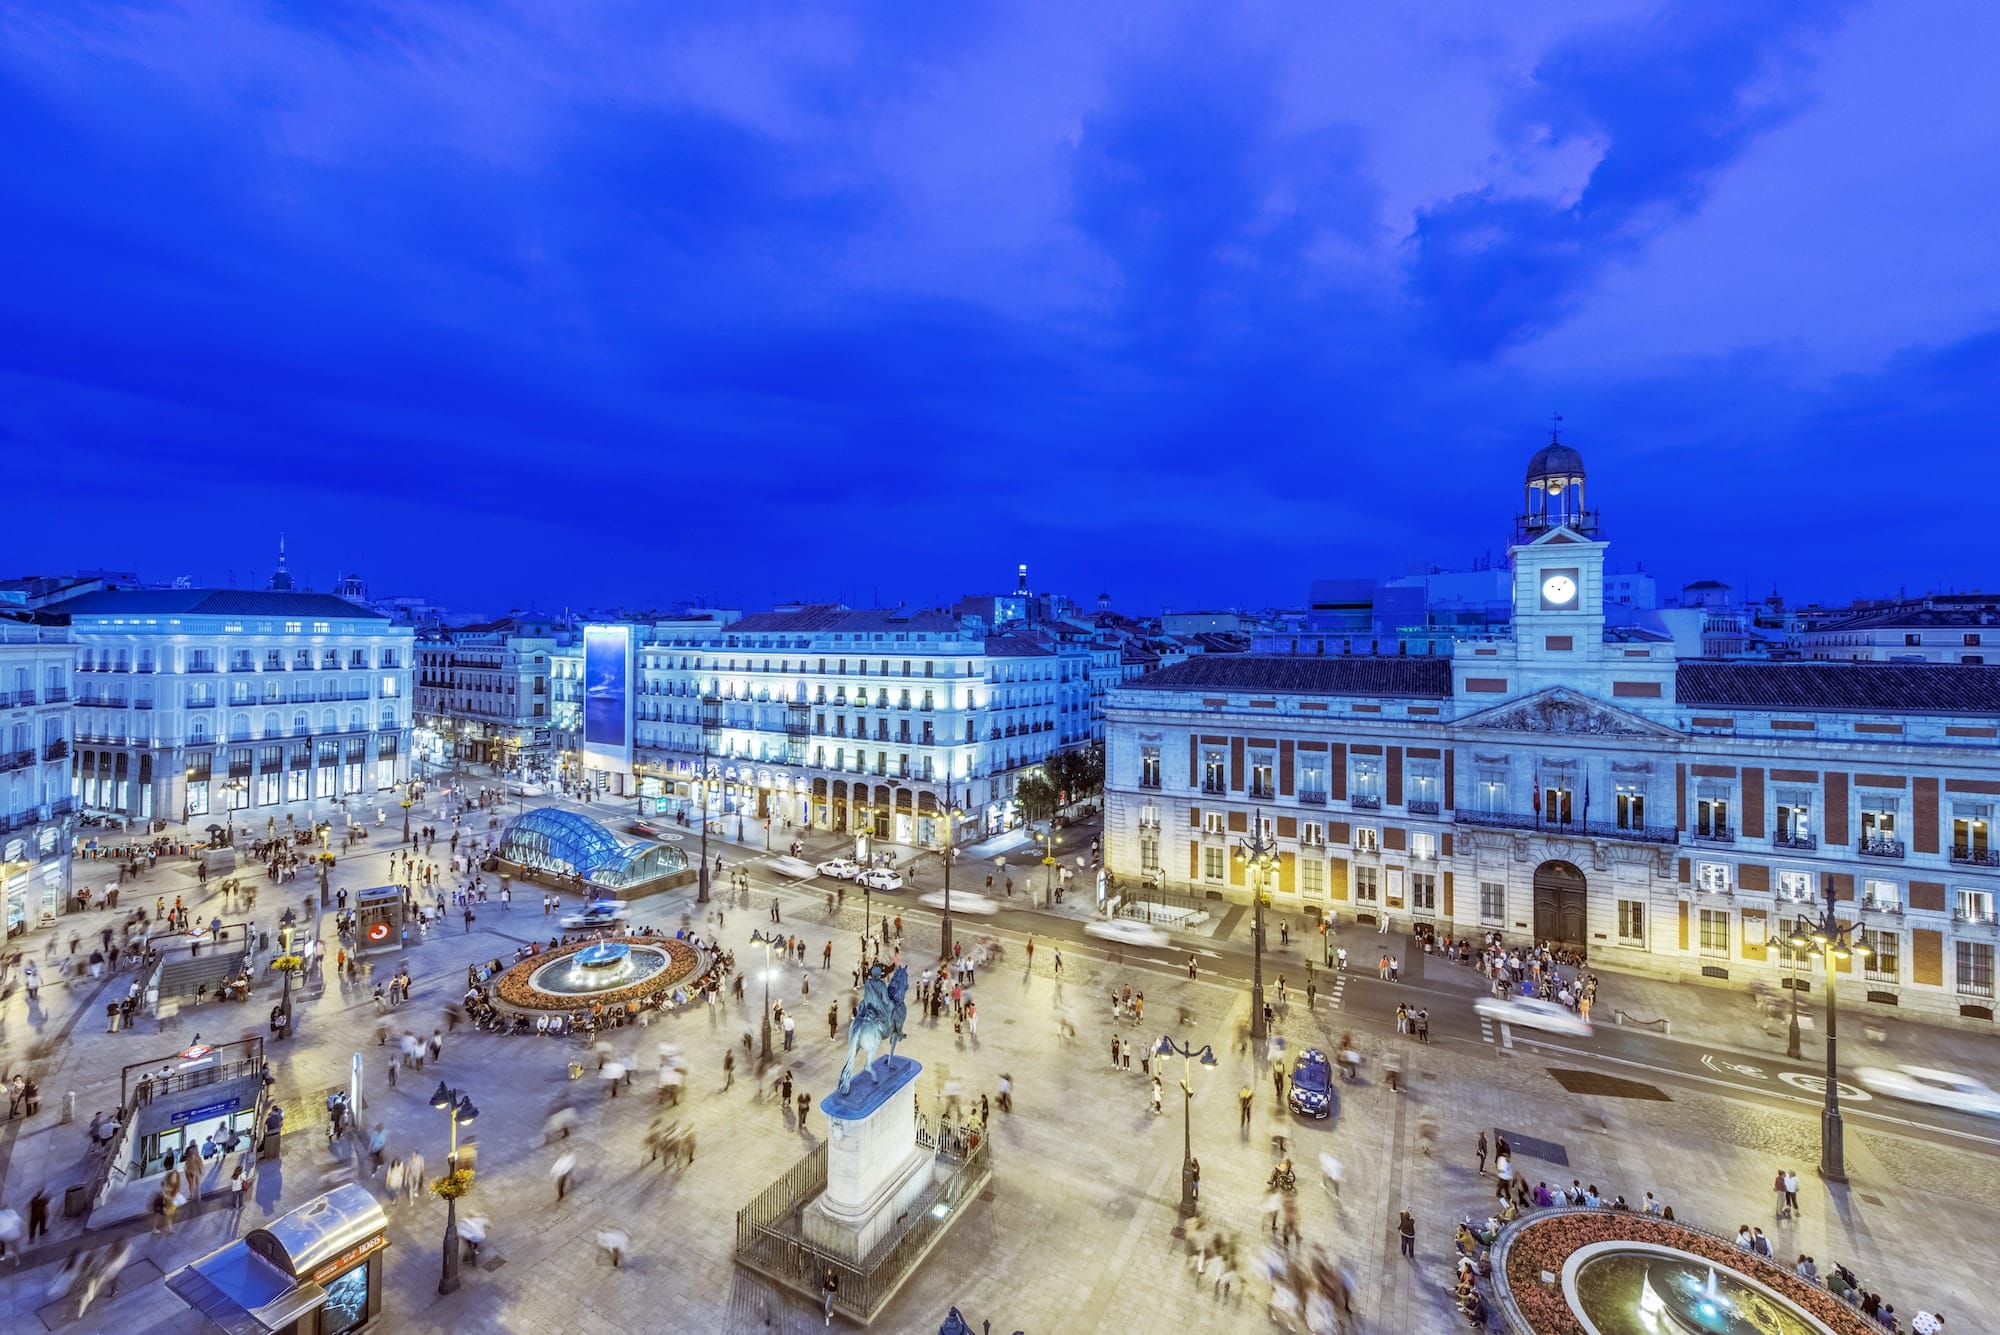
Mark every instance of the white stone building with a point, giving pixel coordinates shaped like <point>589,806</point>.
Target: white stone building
<point>237,707</point>
<point>1560,781</point>
<point>484,694</point>
<point>37,820</point>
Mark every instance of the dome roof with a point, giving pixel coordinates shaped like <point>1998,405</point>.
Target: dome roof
<point>1555,460</point>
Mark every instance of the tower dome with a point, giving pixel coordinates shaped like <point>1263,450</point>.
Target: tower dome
<point>1554,493</point>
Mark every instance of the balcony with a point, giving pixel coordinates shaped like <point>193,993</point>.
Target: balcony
<point>1365,802</point>
<point>14,699</point>
<point>56,750</point>
<point>55,695</point>
<point>146,668</point>
<point>1803,842</point>
<point>1869,846</point>
<point>63,807</point>
<point>201,667</point>
<point>1714,834</point>
<point>1974,856</point>
<point>1263,792</point>
<point>1213,787</point>
<point>13,760</point>
<point>1421,806</point>
<point>200,704</point>
<point>1313,797</point>
<point>142,704</point>
<point>1882,906</point>
<point>242,667</point>
<point>1597,829</point>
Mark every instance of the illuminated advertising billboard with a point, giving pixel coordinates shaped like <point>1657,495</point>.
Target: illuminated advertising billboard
<point>607,697</point>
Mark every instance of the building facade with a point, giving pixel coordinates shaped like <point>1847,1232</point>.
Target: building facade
<point>850,721</point>
<point>237,707</point>
<point>1565,782</point>
<point>485,695</point>
<point>37,820</point>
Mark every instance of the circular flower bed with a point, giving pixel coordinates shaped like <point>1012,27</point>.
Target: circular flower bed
<point>514,988</point>
<point>1545,1240</point>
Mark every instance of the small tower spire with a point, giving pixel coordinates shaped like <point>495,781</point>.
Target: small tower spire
<point>281,578</point>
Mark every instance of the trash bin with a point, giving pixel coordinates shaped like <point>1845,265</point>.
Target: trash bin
<point>267,1149</point>
<point>76,1200</point>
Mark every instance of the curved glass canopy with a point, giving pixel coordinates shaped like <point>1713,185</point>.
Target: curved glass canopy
<point>554,840</point>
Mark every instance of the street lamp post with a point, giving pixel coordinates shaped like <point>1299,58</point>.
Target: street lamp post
<point>1836,941</point>
<point>285,1001</point>
<point>766,940</point>
<point>1258,855</point>
<point>950,816</point>
<point>1188,1055</point>
<point>1794,945</point>
<point>711,719</point>
<point>457,1104</point>
<point>232,788</point>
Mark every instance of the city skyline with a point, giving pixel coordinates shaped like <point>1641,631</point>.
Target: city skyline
<point>1119,302</point>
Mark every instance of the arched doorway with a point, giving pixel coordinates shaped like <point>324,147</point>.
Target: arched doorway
<point>1561,894</point>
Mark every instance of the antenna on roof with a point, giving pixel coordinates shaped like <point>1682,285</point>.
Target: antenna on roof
<point>1555,429</point>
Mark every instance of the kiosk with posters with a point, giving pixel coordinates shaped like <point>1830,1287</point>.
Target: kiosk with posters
<point>315,1271</point>
<point>378,919</point>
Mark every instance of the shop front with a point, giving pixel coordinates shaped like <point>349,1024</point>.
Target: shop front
<point>315,1271</point>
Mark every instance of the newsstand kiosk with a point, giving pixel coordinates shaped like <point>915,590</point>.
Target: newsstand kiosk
<point>378,920</point>
<point>315,1271</point>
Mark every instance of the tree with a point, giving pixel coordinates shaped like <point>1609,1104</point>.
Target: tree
<point>1036,792</point>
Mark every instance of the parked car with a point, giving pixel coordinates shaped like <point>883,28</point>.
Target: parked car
<point>1534,1013</point>
<point>598,913</point>
<point>841,869</point>
<point>1312,1085</point>
<point>1128,932</point>
<point>1939,1089</point>
<point>881,878</point>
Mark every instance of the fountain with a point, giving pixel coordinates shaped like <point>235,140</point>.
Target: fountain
<point>1637,1289</point>
<point>612,970</point>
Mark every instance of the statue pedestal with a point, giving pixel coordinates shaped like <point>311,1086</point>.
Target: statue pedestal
<point>875,1168</point>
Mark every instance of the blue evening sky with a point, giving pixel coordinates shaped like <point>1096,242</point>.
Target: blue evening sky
<point>546,304</point>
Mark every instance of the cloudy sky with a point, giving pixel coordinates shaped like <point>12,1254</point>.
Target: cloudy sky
<point>578,304</point>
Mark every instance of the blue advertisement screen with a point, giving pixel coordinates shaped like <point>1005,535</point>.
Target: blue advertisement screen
<point>606,650</point>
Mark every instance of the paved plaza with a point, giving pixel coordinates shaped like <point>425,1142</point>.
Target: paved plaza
<point>1080,1228</point>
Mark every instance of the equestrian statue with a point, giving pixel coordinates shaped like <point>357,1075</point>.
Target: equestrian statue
<point>879,1018</point>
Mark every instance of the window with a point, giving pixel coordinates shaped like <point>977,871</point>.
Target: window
<point>1711,816</point>
<point>1885,961</point>
<point>1912,638</point>
<point>1367,885</point>
<point>1211,822</point>
<point>1630,807</point>
<point>1492,901</point>
<point>1421,787</point>
<point>1975,968</point>
<point>1367,839</point>
<point>1971,830</point>
<point>1149,767</point>
<point>1974,905</point>
<point>1267,828</point>
<point>1632,921</point>
<point>1312,877</point>
<point>1423,846</point>
<point>1489,792</point>
<point>1366,790</point>
<point>1712,877</point>
<point>1211,864</point>
<point>1556,802</point>
<point>1214,775</point>
<point>1423,892</point>
<point>1149,850</point>
<point>1795,885</point>
<point>1793,828</point>
<point>1881,897</point>
<point>1878,825</point>
<point>1312,782</point>
<point>1261,783</point>
<point>1312,834</point>
<point>1715,931</point>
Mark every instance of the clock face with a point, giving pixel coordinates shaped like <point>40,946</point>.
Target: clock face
<point>1558,590</point>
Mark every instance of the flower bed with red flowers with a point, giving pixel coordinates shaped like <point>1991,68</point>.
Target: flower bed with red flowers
<point>1547,1239</point>
<point>515,990</point>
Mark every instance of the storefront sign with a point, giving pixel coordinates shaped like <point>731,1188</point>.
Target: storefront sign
<point>204,1112</point>
<point>349,1258</point>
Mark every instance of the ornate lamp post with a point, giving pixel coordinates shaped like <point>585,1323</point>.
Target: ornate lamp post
<point>1795,945</point>
<point>951,815</point>
<point>457,1104</point>
<point>711,720</point>
<point>1258,855</point>
<point>1050,841</point>
<point>1188,1056</point>
<point>409,800</point>
<point>285,953</point>
<point>1836,941</point>
<point>766,940</point>
<point>232,788</point>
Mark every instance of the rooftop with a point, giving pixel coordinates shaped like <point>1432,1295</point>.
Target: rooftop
<point>1874,688</point>
<point>217,602</point>
<point>1413,676</point>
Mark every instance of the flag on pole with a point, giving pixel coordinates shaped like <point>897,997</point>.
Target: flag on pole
<point>1538,792</point>
<point>1586,799</point>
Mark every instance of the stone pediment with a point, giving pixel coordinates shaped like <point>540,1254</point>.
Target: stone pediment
<point>1561,712</point>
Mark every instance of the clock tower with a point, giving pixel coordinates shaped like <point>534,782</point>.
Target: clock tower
<point>1558,565</point>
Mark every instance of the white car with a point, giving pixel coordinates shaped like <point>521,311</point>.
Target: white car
<point>1128,932</point>
<point>881,878</point>
<point>1533,1013</point>
<point>840,869</point>
<point>961,902</point>
<point>1939,1089</point>
<point>598,913</point>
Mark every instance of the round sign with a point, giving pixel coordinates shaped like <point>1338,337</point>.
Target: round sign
<point>1816,1084</point>
<point>378,931</point>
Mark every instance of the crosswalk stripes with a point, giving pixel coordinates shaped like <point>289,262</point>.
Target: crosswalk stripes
<point>1334,993</point>
<point>1485,1030</point>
